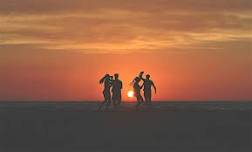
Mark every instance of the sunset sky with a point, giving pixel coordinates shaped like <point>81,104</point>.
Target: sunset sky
<point>59,49</point>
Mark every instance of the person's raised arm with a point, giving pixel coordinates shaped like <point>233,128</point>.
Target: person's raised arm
<point>102,79</point>
<point>141,75</point>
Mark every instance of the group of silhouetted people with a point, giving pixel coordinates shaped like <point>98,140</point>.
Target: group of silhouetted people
<point>116,85</point>
<point>147,84</point>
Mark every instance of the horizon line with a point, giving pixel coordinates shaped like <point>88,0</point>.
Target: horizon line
<point>125,101</point>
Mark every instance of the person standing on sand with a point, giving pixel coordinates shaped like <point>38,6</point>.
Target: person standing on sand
<point>137,90</point>
<point>147,87</point>
<point>116,90</point>
<point>107,81</point>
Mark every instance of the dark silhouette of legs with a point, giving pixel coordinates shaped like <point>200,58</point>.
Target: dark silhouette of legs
<point>147,96</point>
<point>116,98</point>
<point>107,98</point>
<point>139,99</point>
<point>119,98</point>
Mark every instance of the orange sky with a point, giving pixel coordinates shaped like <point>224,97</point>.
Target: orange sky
<point>193,50</point>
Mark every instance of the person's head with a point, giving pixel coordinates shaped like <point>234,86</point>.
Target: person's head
<point>116,76</point>
<point>111,77</point>
<point>148,76</point>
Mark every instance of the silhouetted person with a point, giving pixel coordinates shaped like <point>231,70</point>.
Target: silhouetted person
<point>116,90</point>
<point>137,90</point>
<point>147,87</point>
<point>107,81</point>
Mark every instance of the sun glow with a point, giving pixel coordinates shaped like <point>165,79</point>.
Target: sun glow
<point>130,94</point>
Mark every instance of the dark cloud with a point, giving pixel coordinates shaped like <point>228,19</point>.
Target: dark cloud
<point>46,6</point>
<point>122,24</point>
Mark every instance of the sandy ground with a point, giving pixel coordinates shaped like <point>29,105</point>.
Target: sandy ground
<point>164,127</point>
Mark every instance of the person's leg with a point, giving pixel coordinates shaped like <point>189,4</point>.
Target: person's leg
<point>141,99</point>
<point>114,98</point>
<point>119,98</point>
<point>145,97</point>
<point>150,98</point>
<point>105,100</point>
<point>138,99</point>
<point>109,99</point>
<point>104,94</point>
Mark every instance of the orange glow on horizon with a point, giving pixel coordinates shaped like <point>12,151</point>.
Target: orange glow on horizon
<point>75,77</point>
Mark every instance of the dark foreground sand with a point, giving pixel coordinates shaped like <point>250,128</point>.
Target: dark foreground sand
<point>166,127</point>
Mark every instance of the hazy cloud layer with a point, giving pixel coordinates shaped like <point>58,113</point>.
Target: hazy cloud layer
<point>123,26</point>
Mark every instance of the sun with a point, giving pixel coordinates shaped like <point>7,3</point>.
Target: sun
<point>130,94</point>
